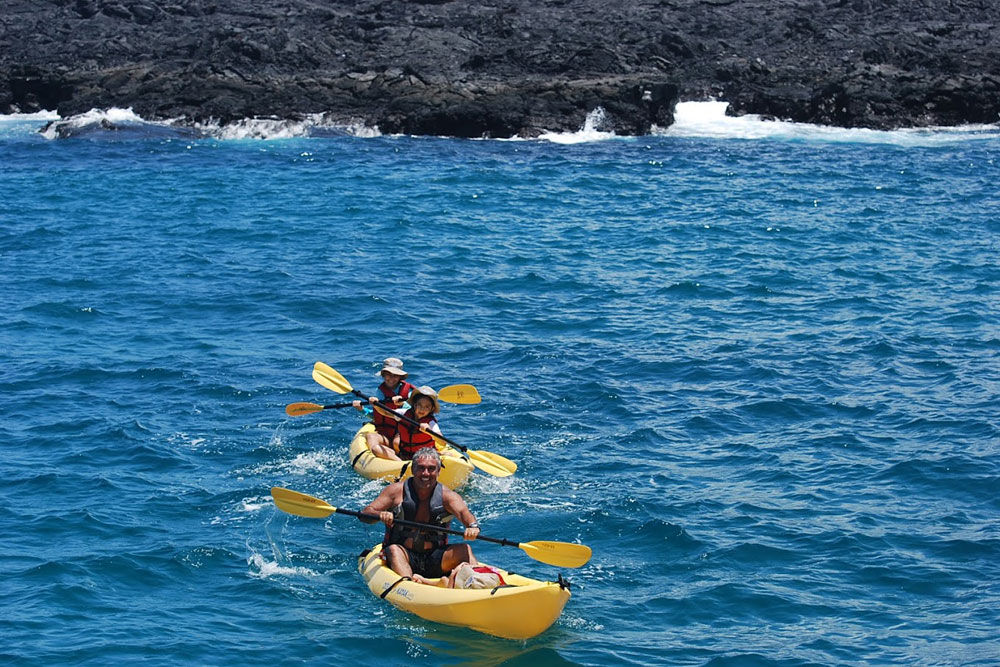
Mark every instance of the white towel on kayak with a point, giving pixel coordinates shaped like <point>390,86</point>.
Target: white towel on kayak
<point>477,576</point>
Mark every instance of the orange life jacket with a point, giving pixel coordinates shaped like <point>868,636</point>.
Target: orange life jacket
<point>387,425</point>
<point>411,438</point>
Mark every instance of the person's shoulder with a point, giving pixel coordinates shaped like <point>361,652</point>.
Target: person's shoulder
<point>394,488</point>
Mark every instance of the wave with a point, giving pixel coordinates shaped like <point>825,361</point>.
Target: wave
<point>261,568</point>
<point>700,120</point>
<point>709,120</point>
<point>116,123</point>
<point>312,125</point>
<point>38,115</point>
<point>589,132</point>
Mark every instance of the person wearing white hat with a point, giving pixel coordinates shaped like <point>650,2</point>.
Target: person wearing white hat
<point>395,390</point>
<point>392,366</point>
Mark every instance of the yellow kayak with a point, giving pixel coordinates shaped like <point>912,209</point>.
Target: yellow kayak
<point>455,469</point>
<point>522,609</point>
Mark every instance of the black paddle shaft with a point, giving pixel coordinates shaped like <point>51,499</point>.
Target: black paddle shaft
<point>411,422</point>
<point>426,526</point>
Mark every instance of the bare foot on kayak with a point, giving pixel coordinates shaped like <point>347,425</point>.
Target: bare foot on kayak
<point>440,581</point>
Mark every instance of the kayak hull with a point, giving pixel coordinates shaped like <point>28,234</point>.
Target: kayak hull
<point>455,469</point>
<point>523,609</point>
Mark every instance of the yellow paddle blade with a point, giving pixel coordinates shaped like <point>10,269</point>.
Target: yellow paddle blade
<point>386,412</point>
<point>299,409</point>
<point>487,462</point>
<point>464,394</point>
<point>331,379</point>
<point>560,554</point>
<point>496,459</point>
<point>300,504</point>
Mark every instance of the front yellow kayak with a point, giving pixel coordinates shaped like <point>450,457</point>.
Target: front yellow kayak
<point>455,469</point>
<point>522,609</point>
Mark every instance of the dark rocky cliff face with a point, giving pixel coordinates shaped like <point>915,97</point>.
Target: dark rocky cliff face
<point>502,68</point>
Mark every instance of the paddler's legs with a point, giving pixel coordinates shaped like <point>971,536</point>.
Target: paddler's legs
<point>380,446</point>
<point>455,555</point>
<point>398,560</point>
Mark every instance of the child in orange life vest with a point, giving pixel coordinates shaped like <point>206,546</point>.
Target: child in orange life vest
<point>408,438</point>
<point>395,390</point>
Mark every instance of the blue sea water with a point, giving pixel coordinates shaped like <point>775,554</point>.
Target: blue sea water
<point>755,366</point>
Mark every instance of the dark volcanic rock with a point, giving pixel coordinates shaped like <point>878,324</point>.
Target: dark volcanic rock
<point>501,67</point>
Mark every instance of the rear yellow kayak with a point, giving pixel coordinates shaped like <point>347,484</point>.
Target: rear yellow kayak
<point>522,609</point>
<point>455,469</point>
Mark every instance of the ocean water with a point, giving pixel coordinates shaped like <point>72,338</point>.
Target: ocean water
<point>754,365</point>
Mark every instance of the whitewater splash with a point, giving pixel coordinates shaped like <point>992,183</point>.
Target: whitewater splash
<point>709,120</point>
<point>305,463</point>
<point>313,125</point>
<point>115,122</point>
<point>591,131</point>
<point>261,568</point>
<point>705,120</point>
<point>38,115</point>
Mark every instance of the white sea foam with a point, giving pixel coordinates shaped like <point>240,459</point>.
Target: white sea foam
<point>691,120</point>
<point>105,118</point>
<point>591,131</point>
<point>709,120</point>
<point>255,504</point>
<point>263,568</point>
<point>44,116</point>
<point>273,128</point>
<point>306,463</point>
<point>116,119</point>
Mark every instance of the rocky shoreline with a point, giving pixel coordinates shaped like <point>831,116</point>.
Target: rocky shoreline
<point>499,68</point>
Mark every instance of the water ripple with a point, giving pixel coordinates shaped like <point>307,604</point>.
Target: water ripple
<point>760,386</point>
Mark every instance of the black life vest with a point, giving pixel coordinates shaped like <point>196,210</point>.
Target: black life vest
<point>411,438</point>
<point>407,510</point>
<point>387,425</point>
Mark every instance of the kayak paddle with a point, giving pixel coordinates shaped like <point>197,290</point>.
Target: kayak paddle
<point>464,394</point>
<point>560,554</point>
<point>331,379</point>
<point>488,462</point>
<point>299,409</point>
<point>494,464</point>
